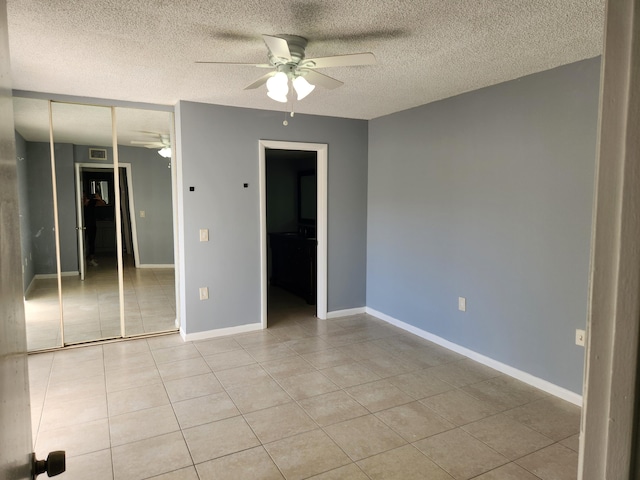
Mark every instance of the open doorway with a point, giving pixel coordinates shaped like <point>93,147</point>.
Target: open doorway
<point>291,209</point>
<point>293,183</point>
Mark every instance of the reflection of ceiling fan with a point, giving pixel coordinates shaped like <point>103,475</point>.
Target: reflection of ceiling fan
<point>287,59</point>
<point>163,143</point>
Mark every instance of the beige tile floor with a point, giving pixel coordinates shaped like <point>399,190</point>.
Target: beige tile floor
<point>91,307</point>
<point>350,398</point>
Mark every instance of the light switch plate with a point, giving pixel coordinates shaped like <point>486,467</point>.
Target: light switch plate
<point>142,213</point>
<point>462,304</point>
<point>204,293</point>
<point>580,337</point>
<point>204,234</point>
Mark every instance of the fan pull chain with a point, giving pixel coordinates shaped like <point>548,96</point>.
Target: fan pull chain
<point>285,122</point>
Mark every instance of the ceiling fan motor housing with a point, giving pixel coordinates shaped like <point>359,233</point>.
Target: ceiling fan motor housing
<point>297,46</point>
<point>291,69</point>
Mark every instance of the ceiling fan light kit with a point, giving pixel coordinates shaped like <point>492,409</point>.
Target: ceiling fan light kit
<point>302,87</point>
<point>165,152</point>
<point>163,143</point>
<point>278,87</point>
<point>286,55</point>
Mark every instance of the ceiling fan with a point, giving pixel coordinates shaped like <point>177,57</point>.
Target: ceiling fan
<point>287,59</point>
<point>163,143</point>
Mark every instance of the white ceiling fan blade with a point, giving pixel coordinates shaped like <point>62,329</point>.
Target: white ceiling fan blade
<point>341,61</point>
<point>316,78</point>
<point>147,144</point>
<point>259,65</point>
<point>147,132</point>
<point>277,46</point>
<point>261,81</point>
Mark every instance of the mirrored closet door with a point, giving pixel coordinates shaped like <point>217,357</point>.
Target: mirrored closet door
<point>87,222</point>
<point>41,281</point>
<point>97,223</point>
<point>144,153</point>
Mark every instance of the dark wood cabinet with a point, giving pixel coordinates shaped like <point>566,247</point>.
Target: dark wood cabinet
<point>293,264</point>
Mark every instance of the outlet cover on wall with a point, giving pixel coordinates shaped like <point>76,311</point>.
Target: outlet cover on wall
<point>204,293</point>
<point>462,304</point>
<point>580,337</point>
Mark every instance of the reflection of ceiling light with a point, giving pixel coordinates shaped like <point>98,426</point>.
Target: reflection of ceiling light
<point>302,87</point>
<point>278,87</point>
<point>165,152</point>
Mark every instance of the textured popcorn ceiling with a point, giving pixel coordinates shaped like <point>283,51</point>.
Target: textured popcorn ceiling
<point>427,50</point>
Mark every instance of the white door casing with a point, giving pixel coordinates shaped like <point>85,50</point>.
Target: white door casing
<point>609,431</point>
<point>15,415</point>
<point>321,150</point>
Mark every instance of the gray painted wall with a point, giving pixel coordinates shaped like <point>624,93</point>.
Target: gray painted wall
<point>40,193</point>
<point>24,211</point>
<point>488,195</point>
<point>219,152</point>
<point>152,193</point>
<point>36,208</point>
<point>36,201</point>
<point>38,205</point>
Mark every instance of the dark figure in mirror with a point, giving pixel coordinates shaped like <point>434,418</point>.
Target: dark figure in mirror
<point>91,201</point>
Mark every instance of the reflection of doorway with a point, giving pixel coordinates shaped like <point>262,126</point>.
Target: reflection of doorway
<point>100,224</point>
<point>287,230</point>
<point>89,178</point>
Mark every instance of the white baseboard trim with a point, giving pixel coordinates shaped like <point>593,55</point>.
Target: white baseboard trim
<point>55,275</point>
<point>219,332</point>
<point>29,287</point>
<point>525,377</point>
<point>156,265</point>
<point>39,276</point>
<point>346,313</point>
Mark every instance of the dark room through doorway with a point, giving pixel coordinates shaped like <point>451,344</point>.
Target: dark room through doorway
<point>291,223</point>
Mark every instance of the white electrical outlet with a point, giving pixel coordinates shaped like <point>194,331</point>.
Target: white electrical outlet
<point>204,293</point>
<point>204,234</point>
<point>462,304</point>
<point>580,337</point>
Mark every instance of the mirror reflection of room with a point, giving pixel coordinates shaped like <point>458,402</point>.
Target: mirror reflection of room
<point>72,288</point>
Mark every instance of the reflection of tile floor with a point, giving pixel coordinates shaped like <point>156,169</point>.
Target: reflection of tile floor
<point>91,308</point>
<point>350,398</point>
